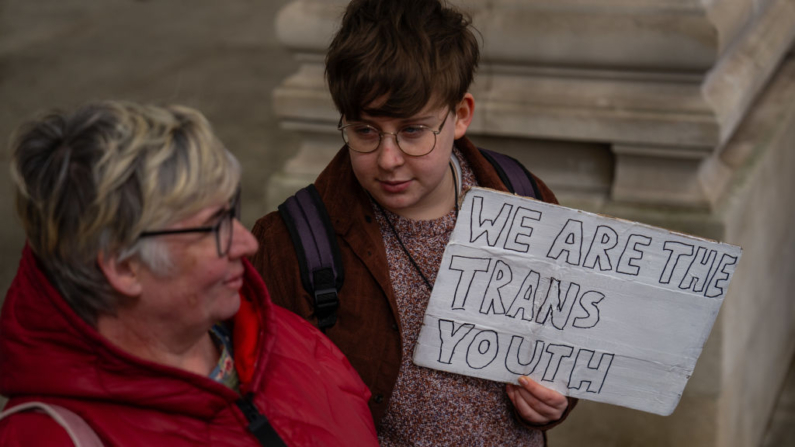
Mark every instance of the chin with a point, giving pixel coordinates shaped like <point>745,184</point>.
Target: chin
<point>229,308</point>
<point>396,203</point>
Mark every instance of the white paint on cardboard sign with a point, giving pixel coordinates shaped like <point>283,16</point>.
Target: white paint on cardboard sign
<point>594,307</point>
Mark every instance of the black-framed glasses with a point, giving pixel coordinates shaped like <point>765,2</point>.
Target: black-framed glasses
<point>415,140</point>
<point>223,229</point>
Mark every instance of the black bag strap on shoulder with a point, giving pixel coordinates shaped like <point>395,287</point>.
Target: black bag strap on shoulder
<point>258,424</point>
<point>318,254</point>
<point>513,174</point>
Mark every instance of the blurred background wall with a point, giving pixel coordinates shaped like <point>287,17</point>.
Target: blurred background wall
<point>220,57</point>
<point>677,113</point>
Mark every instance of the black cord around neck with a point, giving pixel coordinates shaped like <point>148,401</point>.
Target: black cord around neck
<point>400,241</point>
<point>405,250</point>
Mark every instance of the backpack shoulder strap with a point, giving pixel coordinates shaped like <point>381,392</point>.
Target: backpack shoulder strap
<point>316,248</point>
<point>81,434</point>
<point>513,174</point>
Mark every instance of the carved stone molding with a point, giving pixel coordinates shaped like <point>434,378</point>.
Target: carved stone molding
<point>663,82</point>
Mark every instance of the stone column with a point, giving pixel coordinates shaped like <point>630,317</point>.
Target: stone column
<point>677,113</point>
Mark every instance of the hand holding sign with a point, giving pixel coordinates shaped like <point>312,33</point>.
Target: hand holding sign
<point>535,403</point>
<point>592,307</point>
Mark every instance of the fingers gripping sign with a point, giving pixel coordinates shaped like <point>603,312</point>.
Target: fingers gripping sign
<point>535,403</point>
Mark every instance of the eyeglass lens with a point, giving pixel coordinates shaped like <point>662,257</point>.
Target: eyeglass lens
<point>415,140</point>
<point>226,227</point>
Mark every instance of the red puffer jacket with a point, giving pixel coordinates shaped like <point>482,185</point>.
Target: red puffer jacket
<point>299,380</point>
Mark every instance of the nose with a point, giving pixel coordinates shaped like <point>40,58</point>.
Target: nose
<point>389,156</point>
<point>243,242</point>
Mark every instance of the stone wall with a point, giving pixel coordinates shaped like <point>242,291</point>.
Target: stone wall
<point>729,399</point>
<point>648,110</point>
<point>223,59</point>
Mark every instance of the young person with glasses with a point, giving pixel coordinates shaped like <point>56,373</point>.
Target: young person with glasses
<point>399,72</point>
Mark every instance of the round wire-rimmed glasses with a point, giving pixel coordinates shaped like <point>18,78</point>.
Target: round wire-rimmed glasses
<point>414,140</point>
<point>223,229</point>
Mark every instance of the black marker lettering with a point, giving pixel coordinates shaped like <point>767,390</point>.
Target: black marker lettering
<point>585,371</point>
<point>514,360</point>
<point>485,350</point>
<point>468,267</point>
<point>525,299</point>
<point>451,336</point>
<point>492,228</point>
<point>492,300</point>
<point>632,253</point>
<point>604,239</point>
<point>520,228</point>
<point>569,240</point>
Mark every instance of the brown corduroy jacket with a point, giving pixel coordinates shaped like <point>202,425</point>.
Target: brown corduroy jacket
<point>368,328</point>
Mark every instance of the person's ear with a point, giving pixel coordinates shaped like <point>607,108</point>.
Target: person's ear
<point>463,115</point>
<point>123,276</point>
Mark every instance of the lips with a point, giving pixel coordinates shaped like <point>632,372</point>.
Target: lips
<point>235,282</point>
<point>393,186</point>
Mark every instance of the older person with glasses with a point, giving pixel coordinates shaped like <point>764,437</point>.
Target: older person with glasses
<point>135,307</point>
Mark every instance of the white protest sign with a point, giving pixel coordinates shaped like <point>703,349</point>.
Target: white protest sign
<point>594,307</point>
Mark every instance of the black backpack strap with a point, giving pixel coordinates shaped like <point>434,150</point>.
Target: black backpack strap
<point>513,174</point>
<point>318,254</point>
<point>258,424</point>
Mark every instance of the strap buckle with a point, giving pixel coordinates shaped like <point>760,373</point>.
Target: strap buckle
<point>326,305</point>
<point>326,300</point>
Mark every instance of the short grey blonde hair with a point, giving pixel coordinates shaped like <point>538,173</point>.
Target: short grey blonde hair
<point>92,181</point>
